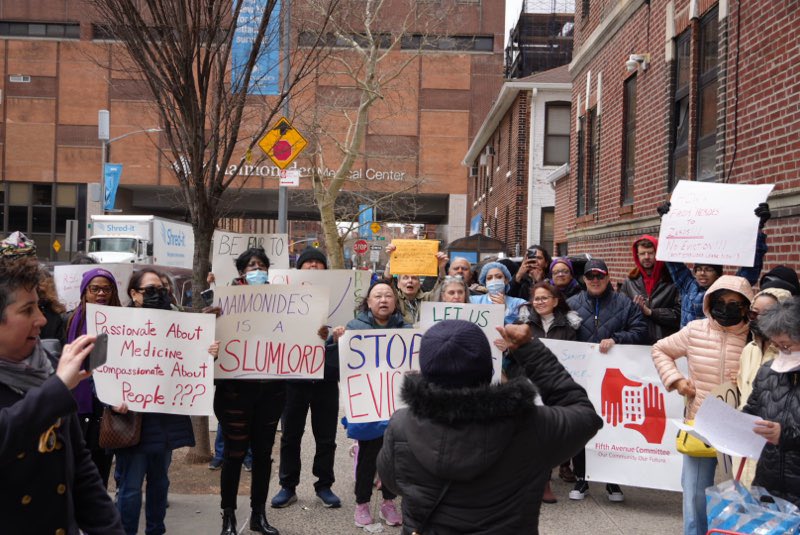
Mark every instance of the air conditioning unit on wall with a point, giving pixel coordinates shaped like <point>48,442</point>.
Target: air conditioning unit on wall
<point>473,171</point>
<point>489,150</point>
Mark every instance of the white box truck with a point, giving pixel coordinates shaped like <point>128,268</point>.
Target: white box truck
<point>141,239</point>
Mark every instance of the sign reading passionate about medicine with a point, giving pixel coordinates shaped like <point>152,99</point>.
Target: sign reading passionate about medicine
<point>712,223</point>
<point>158,360</point>
<point>269,331</point>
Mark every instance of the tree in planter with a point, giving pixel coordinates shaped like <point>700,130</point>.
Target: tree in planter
<point>182,51</point>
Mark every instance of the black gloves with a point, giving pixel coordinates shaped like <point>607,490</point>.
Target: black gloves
<point>763,214</point>
<point>664,209</point>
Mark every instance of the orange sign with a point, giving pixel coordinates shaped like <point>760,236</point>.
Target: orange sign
<point>282,143</point>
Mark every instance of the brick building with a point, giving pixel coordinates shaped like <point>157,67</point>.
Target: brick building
<point>58,70</point>
<point>523,139</point>
<point>709,92</point>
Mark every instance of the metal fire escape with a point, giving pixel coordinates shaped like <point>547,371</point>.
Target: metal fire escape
<point>541,39</point>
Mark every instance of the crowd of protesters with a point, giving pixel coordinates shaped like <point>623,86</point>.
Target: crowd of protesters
<point>460,439</point>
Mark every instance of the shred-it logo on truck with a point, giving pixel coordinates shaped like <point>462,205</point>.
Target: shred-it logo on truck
<point>634,405</point>
<point>175,239</point>
<point>111,227</point>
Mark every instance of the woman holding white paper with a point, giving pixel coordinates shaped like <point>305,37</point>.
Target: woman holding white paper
<point>712,346</point>
<point>776,399</point>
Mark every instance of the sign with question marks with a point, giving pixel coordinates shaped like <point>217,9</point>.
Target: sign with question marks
<point>158,360</point>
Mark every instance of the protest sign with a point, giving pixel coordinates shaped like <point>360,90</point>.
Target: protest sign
<point>712,223</point>
<point>68,281</point>
<point>372,364</point>
<point>626,390</point>
<point>347,288</point>
<point>227,246</point>
<point>269,331</point>
<point>487,317</point>
<point>158,360</point>
<point>415,257</point>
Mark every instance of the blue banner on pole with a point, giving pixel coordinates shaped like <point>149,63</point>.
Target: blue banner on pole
<point>265,77</point>
<point>365,219</point>
<point>112,173</point>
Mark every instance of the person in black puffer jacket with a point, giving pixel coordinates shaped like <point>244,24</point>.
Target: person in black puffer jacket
<point>470,457</point>
<point>776,399</point>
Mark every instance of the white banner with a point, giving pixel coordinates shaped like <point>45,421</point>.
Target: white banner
<point>158,360</point>
<point>68,281</point>
<point>635,446</point>
<point>487,317</point>
<point>372,364</point>
<point>227,246</point>
<point>712,223</point>
<point>347,288</point>
<point>269,331</point>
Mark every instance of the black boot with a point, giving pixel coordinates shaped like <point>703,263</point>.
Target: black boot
<point>228,522</point>
<point>259,524</point>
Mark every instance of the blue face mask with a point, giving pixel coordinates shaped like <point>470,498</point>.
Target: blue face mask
<point>256,277</point>
<point>496,287</point>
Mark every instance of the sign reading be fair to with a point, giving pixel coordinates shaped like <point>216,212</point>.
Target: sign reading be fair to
<point>158,360</point>
<point>269,331</point>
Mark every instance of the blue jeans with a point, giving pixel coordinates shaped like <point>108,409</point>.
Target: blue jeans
<point>219,445</point>
<point>133,467</point>
<point>696,476</point>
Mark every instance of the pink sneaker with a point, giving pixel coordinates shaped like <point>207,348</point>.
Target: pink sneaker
<point>389,514</point>
<point>363,517</point>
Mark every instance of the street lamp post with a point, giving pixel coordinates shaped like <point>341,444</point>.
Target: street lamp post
<point>103,134</point>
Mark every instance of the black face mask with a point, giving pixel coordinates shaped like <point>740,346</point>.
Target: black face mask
<point>726,314</point>
<point>156,298</point>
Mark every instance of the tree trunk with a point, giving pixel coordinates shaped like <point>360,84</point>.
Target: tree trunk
<point>328,221</point>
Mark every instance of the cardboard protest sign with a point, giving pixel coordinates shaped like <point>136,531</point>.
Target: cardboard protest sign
<point>227,246</point>
<point>269,331</point>
<point>347,288</point>
<point>68,281</point>
<point>372,364</point>
<point>415,257</point>
<point>712,223</point>
<point>487,317</point>
<point>158,360</point>
<point>627,393</point>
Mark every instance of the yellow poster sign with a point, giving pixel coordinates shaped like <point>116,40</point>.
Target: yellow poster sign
<point>415,257</point>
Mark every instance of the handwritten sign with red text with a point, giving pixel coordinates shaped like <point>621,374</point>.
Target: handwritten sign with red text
<point>487,317</point>
<point>372,364</point>
<point>712,223</point>
<point>158,360</point>
<point>269,331</point>
<point>68,281</point>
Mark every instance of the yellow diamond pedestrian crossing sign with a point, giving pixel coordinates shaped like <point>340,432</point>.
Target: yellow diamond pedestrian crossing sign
<point>282,143</point>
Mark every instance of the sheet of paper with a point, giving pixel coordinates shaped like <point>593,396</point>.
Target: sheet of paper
<point>728,430</point>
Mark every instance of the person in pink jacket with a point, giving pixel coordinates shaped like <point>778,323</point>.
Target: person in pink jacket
<point>712,347</point>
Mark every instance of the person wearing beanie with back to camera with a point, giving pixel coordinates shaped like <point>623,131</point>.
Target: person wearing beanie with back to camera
<point>469,456</point>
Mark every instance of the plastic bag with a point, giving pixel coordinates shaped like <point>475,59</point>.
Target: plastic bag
<point>730,506</point>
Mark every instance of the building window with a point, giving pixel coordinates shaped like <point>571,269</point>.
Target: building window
<point>585,8</point>
<point>707,99</point>
<point>592,160</point>
<point>581,196</point>
<point>453,43</point>
<point>629,140</point>
<point>680,110</point>
<point>548,228</point>
<point>40,30</point>
<point>556,133</point>
<point>307,38</point>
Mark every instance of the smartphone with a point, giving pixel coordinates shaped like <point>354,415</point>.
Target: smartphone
<point>99,352</point>
<point>208,297</point>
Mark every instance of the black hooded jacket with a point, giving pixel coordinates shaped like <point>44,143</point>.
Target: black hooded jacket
<point>493,443</point>
<point>776,397</point>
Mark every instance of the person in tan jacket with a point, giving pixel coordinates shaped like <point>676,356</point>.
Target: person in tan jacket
<point>712,347</point>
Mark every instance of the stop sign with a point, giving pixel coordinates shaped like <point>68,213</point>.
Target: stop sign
<point>360,246</point>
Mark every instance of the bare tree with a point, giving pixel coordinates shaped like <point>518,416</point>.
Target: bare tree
<point>183,51</point>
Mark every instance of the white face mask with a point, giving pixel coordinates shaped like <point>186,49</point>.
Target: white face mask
<point>786,362</point>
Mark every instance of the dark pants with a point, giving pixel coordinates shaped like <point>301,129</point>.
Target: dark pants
<point>579,464</point>
<point>365,470</point>
<point>248,412</point>
<point>322,397</point>
<point>101,457</point>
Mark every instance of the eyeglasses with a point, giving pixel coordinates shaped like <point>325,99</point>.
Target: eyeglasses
<point>783,348</point>
<point>541,299</point>
<point>704,269</point>
<point>739,305</point>
<point>594,276</point>
<point>153,290</point>
<point>561,273</point>
<point>453,278</point>
<point>753,314</point>
<point>96,290</point>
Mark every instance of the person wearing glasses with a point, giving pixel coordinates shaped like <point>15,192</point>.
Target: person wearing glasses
<point>534,268</point>
<point>693,284</point>
<point>650,288</point>
<point>712,347</point>
<point>49,482</point>
<point>98,287</point>
<point>562,276</point>
<point>607,318</point>
<point>776,400</point>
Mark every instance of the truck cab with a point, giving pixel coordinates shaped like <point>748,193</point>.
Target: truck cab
<point>120,249</point>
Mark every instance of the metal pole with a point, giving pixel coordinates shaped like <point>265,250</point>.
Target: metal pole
<point>103,161</point>
<point>283,201</point>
